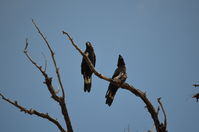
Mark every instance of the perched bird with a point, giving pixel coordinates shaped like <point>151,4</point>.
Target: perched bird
<point>85,69</point>
<point>119,75</point>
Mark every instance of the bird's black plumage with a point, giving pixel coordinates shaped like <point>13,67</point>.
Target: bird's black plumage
<point>119,74</point>
<point>85,69</point>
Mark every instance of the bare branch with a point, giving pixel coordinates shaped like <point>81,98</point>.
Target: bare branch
<point>33,112</point>
<point>158,110</point>
<point>45,65</point>
<point>53,58</point>
<point>126,86</point>
<point>26,46</point>
<point>165,117</point>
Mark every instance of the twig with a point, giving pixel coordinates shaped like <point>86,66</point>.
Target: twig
<point>34,112</point>
<point>26,46</point>
<point>165,117</point>
<point>45,66</point>
<point>126,86</point>
<point>158,110</point>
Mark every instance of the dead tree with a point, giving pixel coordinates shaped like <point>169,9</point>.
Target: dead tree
<point>160,127</point>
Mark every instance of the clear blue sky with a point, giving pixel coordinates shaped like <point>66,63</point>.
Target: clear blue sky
<point>159,40</point>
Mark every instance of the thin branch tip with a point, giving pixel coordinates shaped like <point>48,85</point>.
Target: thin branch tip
<point>26,46</point>
<point>64,32</point>
<point>159,98</point>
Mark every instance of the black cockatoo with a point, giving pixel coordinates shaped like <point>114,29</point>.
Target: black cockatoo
<point>85,69</point>
<point>120,75</point>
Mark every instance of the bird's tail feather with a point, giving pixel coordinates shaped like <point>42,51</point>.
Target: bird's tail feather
<point>109,100</point>
<point>111,94</point>
<point>87,83</point>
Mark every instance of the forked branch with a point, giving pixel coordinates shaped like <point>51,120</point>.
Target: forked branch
<point>126,86</point>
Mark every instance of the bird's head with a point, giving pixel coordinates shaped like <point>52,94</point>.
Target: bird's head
<point>89,45</point>
<point>120,61</point>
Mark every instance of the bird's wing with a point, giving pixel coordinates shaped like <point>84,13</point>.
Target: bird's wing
<point>120,73</point>
<point>116,73</point>
<point>83,64</point>
<point>94,59</point>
